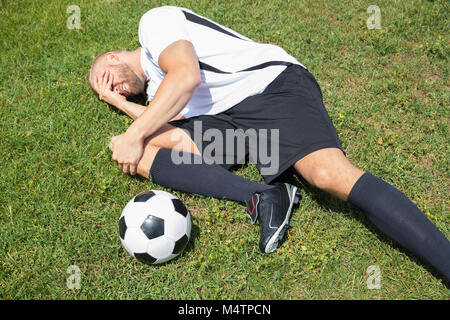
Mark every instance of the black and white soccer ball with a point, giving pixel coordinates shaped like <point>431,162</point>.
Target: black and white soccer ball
<point>155,226</point>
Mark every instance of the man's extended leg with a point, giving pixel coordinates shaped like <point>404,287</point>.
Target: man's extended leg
<point>385,206</point>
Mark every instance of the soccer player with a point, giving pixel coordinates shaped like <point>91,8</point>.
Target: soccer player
<point>202,77</point>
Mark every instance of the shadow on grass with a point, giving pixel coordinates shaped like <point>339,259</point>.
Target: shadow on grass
<point>139,99</point>
<point>327,201</point>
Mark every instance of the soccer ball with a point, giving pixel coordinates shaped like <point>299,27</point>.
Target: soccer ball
<point>155,227</point>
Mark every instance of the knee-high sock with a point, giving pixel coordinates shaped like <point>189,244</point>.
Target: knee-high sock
<point>397,217</point>
<point>206,179</point>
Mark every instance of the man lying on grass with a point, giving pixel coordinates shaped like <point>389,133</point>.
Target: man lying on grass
<point>199,75</point>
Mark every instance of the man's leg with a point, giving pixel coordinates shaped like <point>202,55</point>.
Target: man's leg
<point>385,206</point>
<point>270,205</point>
<point>205,179</point>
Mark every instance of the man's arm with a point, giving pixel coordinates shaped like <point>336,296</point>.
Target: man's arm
<point>133,110</point>
<point>180,63</point>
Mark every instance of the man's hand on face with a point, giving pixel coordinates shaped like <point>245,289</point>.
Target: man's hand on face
<point>105,90</point>
<point>127,152</point>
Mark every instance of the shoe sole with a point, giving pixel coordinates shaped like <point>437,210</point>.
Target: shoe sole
<point>272,244</point>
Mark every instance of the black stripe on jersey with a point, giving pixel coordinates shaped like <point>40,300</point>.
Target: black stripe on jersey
<point>267,64</point>
<point>204,66</point>
<point>197,19</point>
<point>207,67</point>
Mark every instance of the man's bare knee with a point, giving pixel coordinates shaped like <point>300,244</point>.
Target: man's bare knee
<point>322,177</point>
<point>144,165</point>
<point>171,137</point>
<point>329,170</point>
<point>168,137</point>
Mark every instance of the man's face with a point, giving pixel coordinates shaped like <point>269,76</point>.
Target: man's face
<point>125,80</point>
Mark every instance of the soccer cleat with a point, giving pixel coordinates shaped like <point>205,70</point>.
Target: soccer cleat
<point>273,208</point>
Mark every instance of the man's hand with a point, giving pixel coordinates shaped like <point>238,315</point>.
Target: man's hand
<point>106,92</point>
<point>127,152</point>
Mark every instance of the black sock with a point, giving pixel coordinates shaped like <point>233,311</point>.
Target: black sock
<point>400,219</point>
<point>206,179</point>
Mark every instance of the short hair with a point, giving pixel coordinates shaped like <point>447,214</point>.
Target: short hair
<point>94,63</point>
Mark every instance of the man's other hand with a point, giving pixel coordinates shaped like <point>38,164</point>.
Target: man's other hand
<point>105,90</point>
<point>127,152</point>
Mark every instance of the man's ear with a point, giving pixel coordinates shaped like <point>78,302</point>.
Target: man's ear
<point>112,58</point>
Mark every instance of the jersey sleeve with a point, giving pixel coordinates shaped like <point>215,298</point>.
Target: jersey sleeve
<point>160,27</point>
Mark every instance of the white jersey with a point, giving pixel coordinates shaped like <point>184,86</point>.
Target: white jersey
<point>232,66</point>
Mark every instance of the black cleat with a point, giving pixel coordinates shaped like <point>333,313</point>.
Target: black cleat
<point>273,209</point>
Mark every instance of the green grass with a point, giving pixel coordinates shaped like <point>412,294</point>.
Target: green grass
<point>386,90</point>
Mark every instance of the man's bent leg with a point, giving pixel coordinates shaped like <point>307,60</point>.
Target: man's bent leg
<point>195,176</point>
<point>214,180</point>
<point>166,137</point>
<point>385,206</point>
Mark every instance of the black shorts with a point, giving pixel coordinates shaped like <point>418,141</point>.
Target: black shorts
<point>289,119</point>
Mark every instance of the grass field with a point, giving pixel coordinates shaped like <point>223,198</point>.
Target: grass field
<point>61,195</point>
